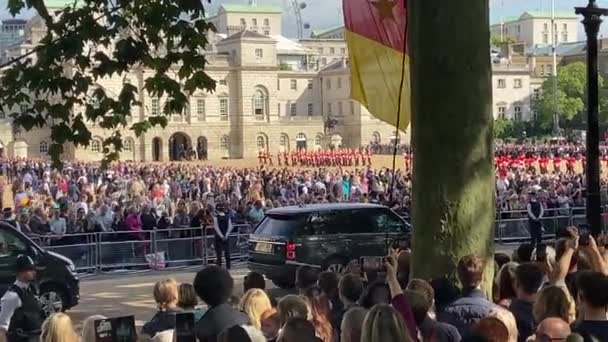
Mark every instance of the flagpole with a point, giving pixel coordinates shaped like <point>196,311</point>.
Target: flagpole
<point>401,84</point>
<point>556,130</point>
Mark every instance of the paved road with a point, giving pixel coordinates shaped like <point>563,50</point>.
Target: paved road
<point>119,294</point>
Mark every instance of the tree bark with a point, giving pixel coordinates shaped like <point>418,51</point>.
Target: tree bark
<point>453,177</point>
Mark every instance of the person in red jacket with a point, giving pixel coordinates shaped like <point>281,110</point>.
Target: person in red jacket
<point>543,164</point>
<point>570,164</point>
<point>557,161</point>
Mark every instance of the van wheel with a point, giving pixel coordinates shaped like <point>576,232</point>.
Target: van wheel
<point>335,265</point>
<point>52,299</point>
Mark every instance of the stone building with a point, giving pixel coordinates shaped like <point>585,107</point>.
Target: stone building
<point>534,28</point>
<point>272,93</point>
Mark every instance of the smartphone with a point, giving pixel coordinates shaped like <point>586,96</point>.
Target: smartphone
<point>541,253</point>
<point>584,237</point>
<point>372,264</point>
<point>184,327</point>
<point>117,329</point>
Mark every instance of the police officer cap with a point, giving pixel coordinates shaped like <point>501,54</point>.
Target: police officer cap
<point>24,263</point>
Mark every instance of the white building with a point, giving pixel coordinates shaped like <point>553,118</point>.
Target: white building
<point>272,93</point>
<point>512,92</point>
<point>534,28</point>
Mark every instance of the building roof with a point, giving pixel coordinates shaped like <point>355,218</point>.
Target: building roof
<point>246,34</point>
<point>235,8</point>
<point>562,49</point>
<point>316,33</point>
<point>535,15</point>
<point>286,46</point>
<point>14,22</point>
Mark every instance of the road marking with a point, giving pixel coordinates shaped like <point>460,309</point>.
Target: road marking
<point>134,286</point>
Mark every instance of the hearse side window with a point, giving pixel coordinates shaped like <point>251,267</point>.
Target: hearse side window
<point>10,245</point>
<point>280,225</point>
<point>333,222</point>
<point>385,221</point>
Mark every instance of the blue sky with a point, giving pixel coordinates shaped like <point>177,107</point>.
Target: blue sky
<point>322,14</point>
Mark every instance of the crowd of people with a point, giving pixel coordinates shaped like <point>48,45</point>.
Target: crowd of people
<point>547,293</point>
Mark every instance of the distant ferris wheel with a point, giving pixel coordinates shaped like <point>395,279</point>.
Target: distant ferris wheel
<point>298,6</point>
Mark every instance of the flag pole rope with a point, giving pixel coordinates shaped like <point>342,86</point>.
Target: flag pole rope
<point>401,84</point>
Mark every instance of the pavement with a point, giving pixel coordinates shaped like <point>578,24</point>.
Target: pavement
<point>120,294</point>
<point>130,293</point>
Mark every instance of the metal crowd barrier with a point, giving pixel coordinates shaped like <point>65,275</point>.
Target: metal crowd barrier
<point>159,249</point>
<point>179,247</point>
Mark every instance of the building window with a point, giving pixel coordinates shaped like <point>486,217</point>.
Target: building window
<point>254,23</point>
<point>44,147</point>
<point>309,84</point>
<point>545,38</point>
<point>243,23</point>
<point>340,111</point>
<point>320,50</point>
<point>224,143</point>
<point>548,70</point>
<point>95,145</point>
<point>266,33</point>
<point>127,145</point>
<point>518,29</point>
<point>278,84</point>
<point>343,51</point>
<point>517,83</point>
<point>310,109</point>
<point>339,82</point>
<point>376,140</point>
<point>155,107</point>
<point>517,113</point>
<point>502,112</point>
<point>266,22</point>
<point>502,83</point>
<point>259,53</point>
<point>293,84</point>
<point>536,94</point>
<point>565,27</point>
<point>546,26</point>
<point>318,139</point>
<point>323,61</point>
<point>200,109</point>
<point>24,108</point>
<point>292,109</point>
<point>564,37</point>
<point>259,103</point>
<point>541,70</point>
<point>279,109</point>
<point>223,82</point>
<point>224,109</point>
<point>352,108</point>
<point>284,142</point>
<point>261,143</point>
<point>329,109</point>
<point>328,83</point>
<point>332,51</point>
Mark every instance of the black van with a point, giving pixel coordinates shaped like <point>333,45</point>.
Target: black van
<point>56,276</point>
<point>326,236</point>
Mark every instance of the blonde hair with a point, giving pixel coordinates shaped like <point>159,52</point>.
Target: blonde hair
<point>165,293</point>
<point>88,328</point>
<point>554,301</point>
<point>507,318</point>
<point>58,328</point>
<point>254,303</point>
<point>292,306</point>
<point>384,323</point>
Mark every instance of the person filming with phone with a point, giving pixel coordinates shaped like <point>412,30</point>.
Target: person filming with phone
<point>21,315</point>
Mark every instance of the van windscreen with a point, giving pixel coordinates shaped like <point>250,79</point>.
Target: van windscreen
<point>280,225</point>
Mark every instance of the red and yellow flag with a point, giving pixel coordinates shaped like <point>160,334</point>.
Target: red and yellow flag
<point>376,33</point>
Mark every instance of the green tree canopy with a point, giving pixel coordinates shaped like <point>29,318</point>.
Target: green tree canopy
<point>571,96</point>
<point>57,84</point>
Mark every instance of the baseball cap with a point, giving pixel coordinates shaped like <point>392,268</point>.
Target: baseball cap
<point>24,263</point>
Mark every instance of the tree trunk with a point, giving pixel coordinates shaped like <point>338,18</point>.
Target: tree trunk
<point>453,180</point>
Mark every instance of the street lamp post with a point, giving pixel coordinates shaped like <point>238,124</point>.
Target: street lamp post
<point>592,20</point>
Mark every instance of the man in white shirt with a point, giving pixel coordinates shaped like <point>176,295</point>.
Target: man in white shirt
<point>58,224</point>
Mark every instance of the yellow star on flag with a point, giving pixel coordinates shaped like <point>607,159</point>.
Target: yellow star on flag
<point>385,8</point>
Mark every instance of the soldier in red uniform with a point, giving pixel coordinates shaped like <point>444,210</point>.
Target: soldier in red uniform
<point>570,164</point>
<point>279,156</point>
<point>268,158</point>
<point>368,155</point>
<point>557,161</point>
<point>261,157</point>
<point>543,164</point>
